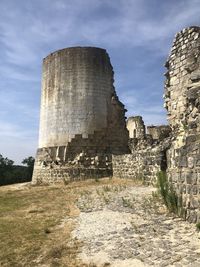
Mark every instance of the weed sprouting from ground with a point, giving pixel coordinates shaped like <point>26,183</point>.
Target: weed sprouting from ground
<point>97,179</point>
<point>126,202</point>
<point>107,188</point>
<point>198,226</point>
<point>167,192</point>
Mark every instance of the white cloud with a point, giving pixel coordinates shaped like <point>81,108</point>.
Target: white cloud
<point>15,131</point>
<point>150,116</point>
<point>30,30</point>
<point>128,98</point>
<point>16,142</point>
<point>12,101</point>
<point>25,35</point>
<point>11,72</point>
<point>153,114</point>
<point>133,26</point>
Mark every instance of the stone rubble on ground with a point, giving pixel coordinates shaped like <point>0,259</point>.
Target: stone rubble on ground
<point>126,226</point>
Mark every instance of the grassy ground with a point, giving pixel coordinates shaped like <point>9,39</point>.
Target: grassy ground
<point>34,229</point>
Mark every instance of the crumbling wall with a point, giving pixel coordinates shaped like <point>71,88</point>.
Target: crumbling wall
<point>81,115</point>
<point>159,132</point>
<point>148,152</point>
<point>136,127</point>
<point>77,161</point>
<point>182,101</point>
<point>143,164</point>
<point>83,132</point>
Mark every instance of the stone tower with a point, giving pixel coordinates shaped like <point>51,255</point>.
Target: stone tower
<point>182,101</point>
<point>82,122</point>
<point>136,127</point>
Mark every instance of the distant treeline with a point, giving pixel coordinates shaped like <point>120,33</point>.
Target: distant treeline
<point>10,173</point>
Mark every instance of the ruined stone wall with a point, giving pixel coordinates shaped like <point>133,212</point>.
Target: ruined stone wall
<point>81,114</point>
<point>148,152</point>
<point>159,132</point>
<point>78,160</point>
<point>143,165</point>
<point>182,101</point>
<point>136,127</point>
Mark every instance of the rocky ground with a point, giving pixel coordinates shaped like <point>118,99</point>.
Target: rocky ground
<point>92,223</point>
<point>122,225</point>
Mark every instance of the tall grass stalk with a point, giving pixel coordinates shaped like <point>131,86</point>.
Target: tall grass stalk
<point>167,192</point>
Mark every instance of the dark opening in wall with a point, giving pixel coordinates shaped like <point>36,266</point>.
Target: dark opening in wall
<point>164,161</point>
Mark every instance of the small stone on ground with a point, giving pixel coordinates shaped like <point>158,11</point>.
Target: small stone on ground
<point>126,226</point>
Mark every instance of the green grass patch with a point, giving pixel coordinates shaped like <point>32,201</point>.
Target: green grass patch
<point>167,192</point>
<point>198,226</point>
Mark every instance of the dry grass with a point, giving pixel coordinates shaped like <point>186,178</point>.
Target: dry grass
<point>35,229</point>
<point>31,233</point>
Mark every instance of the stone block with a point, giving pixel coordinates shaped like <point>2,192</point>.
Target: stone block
<point>194,189</point>
<point>191,216</point>
<point>190,162</point>
<point>183,161</point>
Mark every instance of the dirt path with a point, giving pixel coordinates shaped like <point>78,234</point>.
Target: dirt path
<point>110,222</point>
<point>123,226</point>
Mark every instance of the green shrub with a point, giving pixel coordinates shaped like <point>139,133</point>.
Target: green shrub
<point>10,173</point>
<point>198,226</point>
<point>97,179</point>
<point>126,202</point>
<point>167,192</point>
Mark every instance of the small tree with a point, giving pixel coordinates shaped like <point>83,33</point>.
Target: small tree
<point>10,173</point>
<point>29,162</point>
<point>5,165</point>
<point>5,162</point>
<point>167,192</point>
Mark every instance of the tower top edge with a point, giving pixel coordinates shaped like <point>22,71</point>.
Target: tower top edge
<point>187,30</point>
<point>76,48</point>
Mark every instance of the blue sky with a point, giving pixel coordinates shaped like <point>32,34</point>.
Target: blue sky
<point>136,33</point>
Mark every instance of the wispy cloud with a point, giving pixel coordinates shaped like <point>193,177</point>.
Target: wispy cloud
<point>27,28</point>
<point>17,142</point>
<point>14,73</point>
<point>137,34</point>
<point>12,130</point>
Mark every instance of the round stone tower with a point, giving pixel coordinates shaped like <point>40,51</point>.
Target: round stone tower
<point>81,121</point>
<point>136,127</point>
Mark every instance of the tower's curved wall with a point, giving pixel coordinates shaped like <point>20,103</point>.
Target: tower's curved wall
<point>82,121</point>
<point>77,85</point>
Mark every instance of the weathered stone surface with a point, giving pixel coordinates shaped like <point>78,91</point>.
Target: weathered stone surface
<point>82,121</point>
<point>175,148</point>
<point>125,225</point>
<point>148,152</point>
<point>182,101</point>
<point>83,132</point>
<point>136,127</point>
<point>159,132</point>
